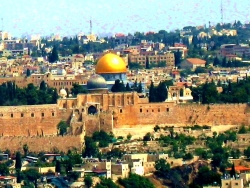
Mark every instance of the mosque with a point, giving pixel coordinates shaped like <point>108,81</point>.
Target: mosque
<point>109,68</point>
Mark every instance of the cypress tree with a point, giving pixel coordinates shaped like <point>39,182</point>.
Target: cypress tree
<point>135,85</point>
<point>54,96</point>
<point>161,92</point>
<point>224,62</point>
<point>42,86</point>
<point>28,73</point>
<point>233,172</point>
<point>18,164</point>
<point>128,87</point>
<point>147,63</point>
<point>58,166</point>
<point>139,88</point>
<point>177,58</point>
<point>54,55</point>
<point>152,93</point>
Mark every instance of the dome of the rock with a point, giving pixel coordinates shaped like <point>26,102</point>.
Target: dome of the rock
<point>110,63</point>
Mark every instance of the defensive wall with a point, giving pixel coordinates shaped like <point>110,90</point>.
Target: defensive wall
<point>36,144</point>
<point>148,115</point>
<point>181,115</point>
<point>29,120</point>
<point>129,114</point>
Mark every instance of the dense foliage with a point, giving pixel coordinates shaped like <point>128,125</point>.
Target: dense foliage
<point>106,183</point>
<point>159,93</point>
<point>120,87</point>
<point>103,138</point>
<point>30,95</point>
<point>237,92</point>
<point>137,181</point>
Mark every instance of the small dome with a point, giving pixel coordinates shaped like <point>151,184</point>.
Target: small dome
<point>63,93</point>
<point>96,82</point>
<point>64,72</point>
<point>80,71</point>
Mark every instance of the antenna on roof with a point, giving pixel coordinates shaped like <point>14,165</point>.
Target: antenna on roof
<point>221,11</point>
<point>90,24</point>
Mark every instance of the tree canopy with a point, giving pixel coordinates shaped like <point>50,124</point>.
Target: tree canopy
<point>137,181</point>
<point>30,95</point>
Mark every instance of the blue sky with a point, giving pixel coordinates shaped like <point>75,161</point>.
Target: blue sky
<point>69,17</point>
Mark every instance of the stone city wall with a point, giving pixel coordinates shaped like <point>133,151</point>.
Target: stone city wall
<point>42,120</point>
<point>37,143</point>
<point>29,120</point>
<point>183,115</point>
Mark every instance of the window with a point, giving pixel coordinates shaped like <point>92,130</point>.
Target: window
<point>167,109</point>
<point>53,114</point>
<point>22,115</point>
<point>120,110</point>
<point>11,115</point>
<point>236,183</point>
<point>140,110</point>
<point>42,114</point>
<point>32,115</point>
<point>152,110</point>
<point>147,110</point>
<point>159,110</point>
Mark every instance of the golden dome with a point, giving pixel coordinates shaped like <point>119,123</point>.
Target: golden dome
<point>110,63</point>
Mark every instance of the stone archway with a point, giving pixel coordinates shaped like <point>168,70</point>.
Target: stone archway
<point>92,110</point>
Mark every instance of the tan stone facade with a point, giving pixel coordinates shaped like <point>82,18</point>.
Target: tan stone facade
<point>37,120</point>
<point>141,59</point>
<point>127,110</point>
<point>113,111</point>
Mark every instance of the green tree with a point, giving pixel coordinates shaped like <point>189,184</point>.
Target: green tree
<point>216,61</point>
<point>18,164</point>
<point>31,94</point>
<point>152,93</point>
<point>162,167</point>
<point>233,172</point>
<point>139,88</point>
<point>161,92</point>
<point>28,73</point>
<point>53,57</point>
<point>4,170</point>
<point>147,137</point>
<point>58,166</point>
<point>88,181</point>
<point>242,130</point>
<point>177,58</point>
<point>62,128</point>
<point>147,63</point>
<point>118,86</point>
<point>129,136</point>
<point>91,148</point>
<point>128,87</point>
<point>137,181</point>
<point>32,175</point>
<point>224,62</point>
<point>25,149</point>
<point>106,183</point>
<point>247,152</point>
<point>54,96</point>
<point>157,128</point>
<point>76,89</point>
<point>43,86</point>
<point>188,156</point>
